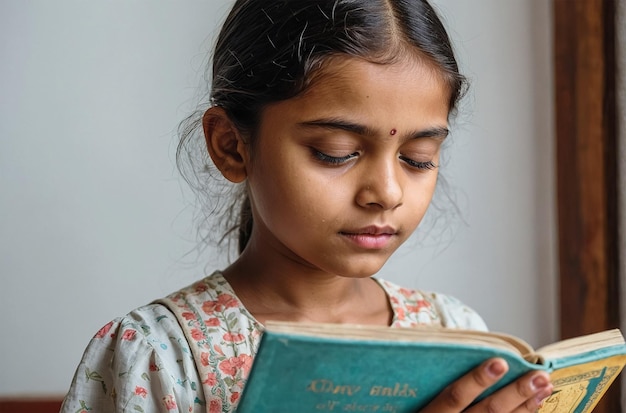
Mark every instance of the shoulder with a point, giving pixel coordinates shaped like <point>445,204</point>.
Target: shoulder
<point>213,286</point>
<point>415,307</point>
<point>141,360</point>
<point>209,307</point>
<point>190,351</point>
<point>147,329</point>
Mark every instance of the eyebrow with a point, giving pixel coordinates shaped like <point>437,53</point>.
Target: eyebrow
<point>340,124</point>
<point>438,132</point>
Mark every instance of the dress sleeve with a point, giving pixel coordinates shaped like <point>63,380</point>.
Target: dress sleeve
<point>139,363</point>
<point>455,314</point>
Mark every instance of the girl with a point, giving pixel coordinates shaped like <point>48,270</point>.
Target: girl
<point>329,115</point>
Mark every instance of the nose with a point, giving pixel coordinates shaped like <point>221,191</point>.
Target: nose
<point>381,186</point>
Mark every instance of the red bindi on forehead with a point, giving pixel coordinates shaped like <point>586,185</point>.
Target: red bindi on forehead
<point>393,131</point>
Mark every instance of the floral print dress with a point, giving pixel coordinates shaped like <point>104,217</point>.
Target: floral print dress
<point>192,351</point>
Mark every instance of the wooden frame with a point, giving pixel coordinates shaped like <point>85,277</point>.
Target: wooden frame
<point>586,142</point>
<point>30,405</point>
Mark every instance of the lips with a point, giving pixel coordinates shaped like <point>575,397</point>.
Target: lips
<point>372,230</point>
<point>371,237</point>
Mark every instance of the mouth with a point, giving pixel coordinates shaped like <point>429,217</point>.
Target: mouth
<point>371,230</point>
<point>371,237</point>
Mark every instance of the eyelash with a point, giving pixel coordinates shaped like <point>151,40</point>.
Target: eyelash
<point>338,160</point>
<point>333,160</point>
<point>428,165</point>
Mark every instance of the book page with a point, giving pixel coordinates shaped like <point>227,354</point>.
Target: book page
<point>425,334</point>
<point>574,346</point>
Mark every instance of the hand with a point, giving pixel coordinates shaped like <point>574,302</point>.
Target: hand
<point>523,395</point>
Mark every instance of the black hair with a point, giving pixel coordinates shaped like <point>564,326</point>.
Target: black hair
<point>269,51</point>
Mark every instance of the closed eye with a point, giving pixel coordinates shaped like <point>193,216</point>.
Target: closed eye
<point>428,165</point>
<point>333,160</point>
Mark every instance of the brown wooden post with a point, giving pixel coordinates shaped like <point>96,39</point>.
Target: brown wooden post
<point>30,405</point>
<point>586,170</point>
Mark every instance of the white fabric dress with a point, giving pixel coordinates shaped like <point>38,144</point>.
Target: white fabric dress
<point>192,351</point>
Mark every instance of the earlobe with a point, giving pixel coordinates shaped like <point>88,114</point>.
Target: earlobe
<point>225,144</point>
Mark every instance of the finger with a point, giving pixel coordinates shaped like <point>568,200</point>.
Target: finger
<point>460,394</point>
<point>523,395</point>
<point>533,405</point>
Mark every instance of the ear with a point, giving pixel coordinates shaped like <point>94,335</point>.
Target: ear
<point>225,144</point>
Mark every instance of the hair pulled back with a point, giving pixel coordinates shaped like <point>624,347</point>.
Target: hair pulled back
<point>269,50</point>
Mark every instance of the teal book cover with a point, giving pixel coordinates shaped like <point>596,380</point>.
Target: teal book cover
<point>316,368</point>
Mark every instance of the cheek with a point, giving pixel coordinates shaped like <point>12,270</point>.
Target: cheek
<point>314,198</point>
<point>288,195</point>
<point>421,195</point>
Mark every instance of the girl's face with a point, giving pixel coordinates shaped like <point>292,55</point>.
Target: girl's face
<point>341,176</point>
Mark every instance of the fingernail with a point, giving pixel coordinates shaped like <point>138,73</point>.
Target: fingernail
<point>496,368</point>
<point>539,382</point>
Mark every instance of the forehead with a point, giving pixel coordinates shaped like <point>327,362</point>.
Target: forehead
<point>345,83</point>
<point>339,68</point>
<point>403,97</point>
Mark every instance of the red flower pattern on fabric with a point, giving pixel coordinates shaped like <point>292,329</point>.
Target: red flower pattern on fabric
<point>406,292</point>
<point>197,334</point>
<point>169,402</point>
<point>211,379</point>
<point>104,330</point>
<point>419,306</point>
<point>223,301</point>
<point>204,358</point>
<point>218,350</point>
<point>129,335</point>
<point>215,406</point>
<point>234,338</point>
<point>141,391</point>
<point>213,322</point>
<point>189,316</point>
<point>231,365</point>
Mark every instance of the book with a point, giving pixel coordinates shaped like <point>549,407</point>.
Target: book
<point>317,368</point>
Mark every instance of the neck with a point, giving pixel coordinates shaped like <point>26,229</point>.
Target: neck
<point>289,290</point>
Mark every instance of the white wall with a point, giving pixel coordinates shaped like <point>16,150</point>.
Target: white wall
<point>95,221</point>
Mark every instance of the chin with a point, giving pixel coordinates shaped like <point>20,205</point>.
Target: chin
<point>363,271</point>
